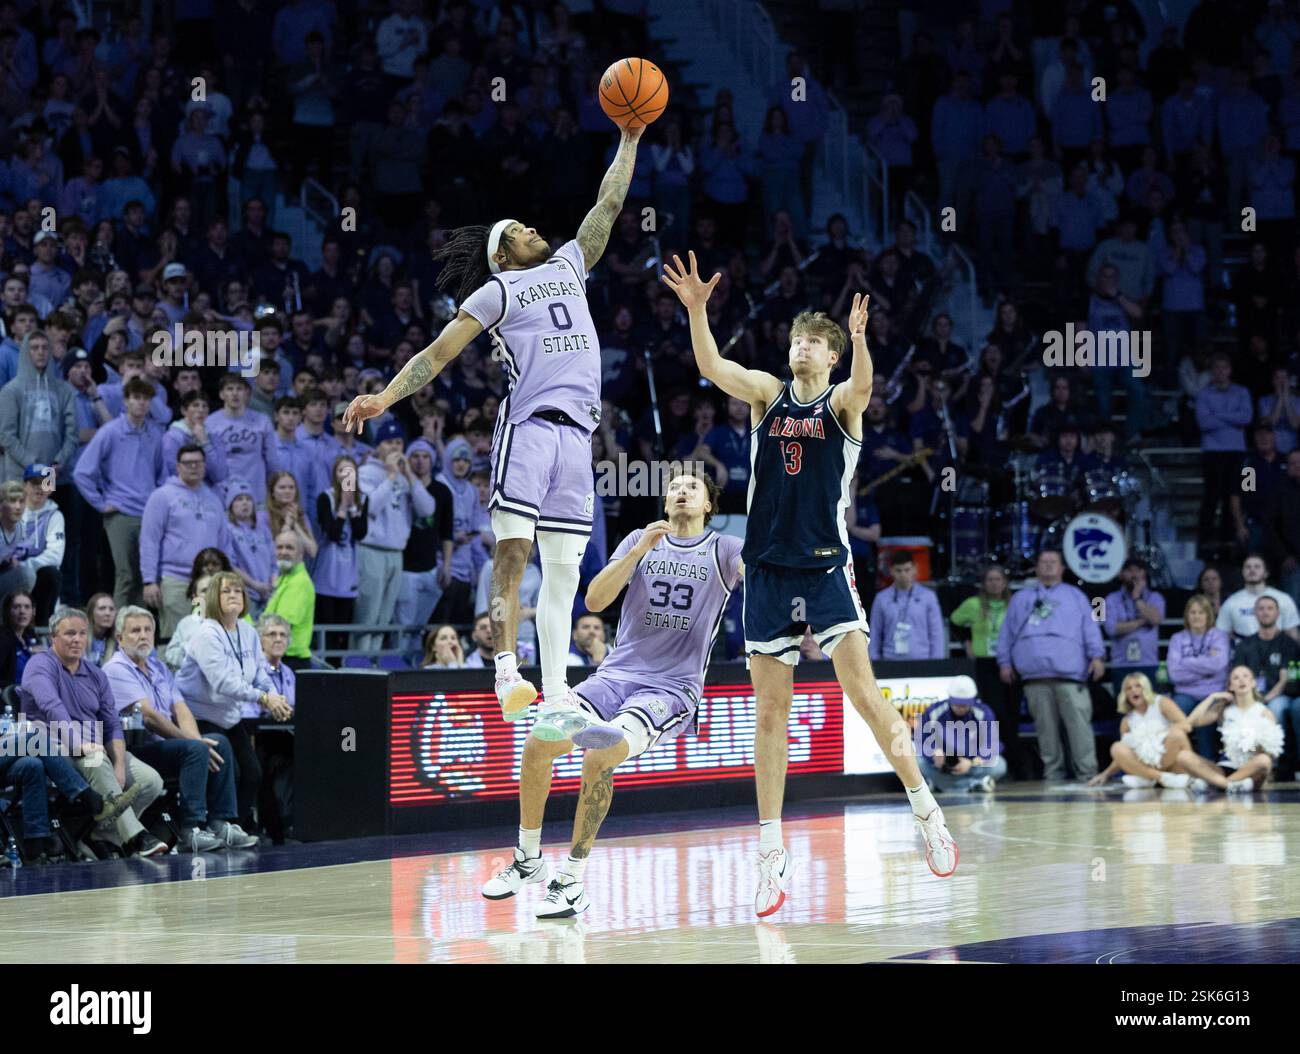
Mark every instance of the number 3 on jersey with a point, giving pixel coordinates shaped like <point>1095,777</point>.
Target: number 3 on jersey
<point>792,454</point>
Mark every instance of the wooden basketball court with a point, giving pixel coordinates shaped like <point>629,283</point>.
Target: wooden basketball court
<point>1047,874</point>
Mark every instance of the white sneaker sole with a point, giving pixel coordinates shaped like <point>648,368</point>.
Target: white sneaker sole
<point>540,875</point>
<point>570,912</point>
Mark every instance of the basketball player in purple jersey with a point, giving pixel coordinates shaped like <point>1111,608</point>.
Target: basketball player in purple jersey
<point>804,444</point>
<point>679,576</point>
<point>533,303</point>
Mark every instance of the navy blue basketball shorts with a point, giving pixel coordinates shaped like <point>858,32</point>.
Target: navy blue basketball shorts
<point>780,603</point>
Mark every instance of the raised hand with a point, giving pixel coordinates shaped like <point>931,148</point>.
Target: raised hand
<point>690,290</point>
<point>858,315</point>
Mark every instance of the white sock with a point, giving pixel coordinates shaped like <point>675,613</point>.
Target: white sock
<point>922,800</point>
<point>555,627</point>
<point>575,869</point>
<point>506,664</point>
<point>530,841</point>
<point>769,835</point>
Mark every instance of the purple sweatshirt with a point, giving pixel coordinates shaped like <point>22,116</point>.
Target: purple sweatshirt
<point>179,435</point>
<point>249,445</point>
<point>467,516</point>
<point>121,466</point>
<point>1050,634</point>
<point>906,625</point>
<point>159,410</point>
<point>1142,646</point>
<point>68,698</point>
<point>1222,415</point>
<point>390,505</point>
<point>1198,664</point>
<point>177,523</point>
<point>253,551</point>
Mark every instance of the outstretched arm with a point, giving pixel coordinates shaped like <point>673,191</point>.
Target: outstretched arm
<point>754,386</point>
<point>423,368</point>
<point>856,393</point>
<point>593,232</point>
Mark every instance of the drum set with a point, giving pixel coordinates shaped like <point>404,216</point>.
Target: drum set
<point>1049,508</point>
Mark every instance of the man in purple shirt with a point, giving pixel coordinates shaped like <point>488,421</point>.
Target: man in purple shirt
<point>1134,612</point>
<point>1051,641</point>
<point>181,517</point>
<point>1223,410</point>
<point>906,622</point>
<point>247,438</point>
<point>70,695</point>
<point>116,473</point>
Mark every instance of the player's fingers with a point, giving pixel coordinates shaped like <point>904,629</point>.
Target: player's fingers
<point>691,253</point>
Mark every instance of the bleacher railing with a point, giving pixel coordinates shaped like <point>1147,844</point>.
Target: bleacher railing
<point>318,203</point>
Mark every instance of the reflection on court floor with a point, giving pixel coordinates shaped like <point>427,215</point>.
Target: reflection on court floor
<point>1060,876</point>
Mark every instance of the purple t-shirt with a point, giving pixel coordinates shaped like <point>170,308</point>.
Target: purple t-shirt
<point>542,329</point>
<point>672,610</point>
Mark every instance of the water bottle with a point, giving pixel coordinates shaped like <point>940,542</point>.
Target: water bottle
<point>7,721</point>
<point>12,856</point>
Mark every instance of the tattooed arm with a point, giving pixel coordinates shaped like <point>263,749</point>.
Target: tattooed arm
<point>593,233</point>
<point>422,369</point>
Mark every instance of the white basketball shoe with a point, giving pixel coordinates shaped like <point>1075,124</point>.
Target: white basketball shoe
<point>523,871</point>
<point>775,871</point>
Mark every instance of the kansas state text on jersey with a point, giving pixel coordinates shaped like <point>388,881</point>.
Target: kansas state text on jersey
<point>672,610</point>
<point>802,465</point>
<point>539,320</point>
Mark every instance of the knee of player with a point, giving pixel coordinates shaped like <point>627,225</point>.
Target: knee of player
<point>773,710</point>
<point>604,759</point>
<point>540,751</point>
<point>510,556</point>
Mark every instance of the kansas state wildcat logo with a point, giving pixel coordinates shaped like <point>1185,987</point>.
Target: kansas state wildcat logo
<point>1095,549</point>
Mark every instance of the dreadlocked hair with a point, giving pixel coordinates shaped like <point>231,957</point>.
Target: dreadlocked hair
<point>464,261</point>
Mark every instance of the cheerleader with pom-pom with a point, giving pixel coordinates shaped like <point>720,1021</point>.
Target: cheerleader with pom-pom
<point>1252,738</point>
<point>1153,735</point>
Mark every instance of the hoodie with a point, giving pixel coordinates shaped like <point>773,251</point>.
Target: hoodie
<point>214,680</point>
<point>1049,634</point>
<point>121,466</point>
<point>467,516</point>
<point>41,534</point>
<point>252,547</point>
<point>177,523</point>
<point>177,436</point>
<point>38,418</point>
<point>392,505</point>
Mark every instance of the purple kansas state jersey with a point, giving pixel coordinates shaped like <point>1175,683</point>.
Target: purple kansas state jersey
<point>672,610</point>
<point>539,321</point>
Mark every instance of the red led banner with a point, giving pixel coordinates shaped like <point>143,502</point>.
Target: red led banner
<point>453,746</point>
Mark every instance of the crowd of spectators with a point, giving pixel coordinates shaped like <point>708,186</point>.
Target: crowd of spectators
<point>134,483</point>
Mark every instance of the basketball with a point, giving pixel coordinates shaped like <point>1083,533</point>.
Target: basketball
<point>633,92</point>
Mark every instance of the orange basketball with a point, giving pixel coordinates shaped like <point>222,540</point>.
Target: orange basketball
<point>633,92</point>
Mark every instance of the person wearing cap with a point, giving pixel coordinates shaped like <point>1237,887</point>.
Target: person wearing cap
<point>175,283</point>
<point>247,439</point>
<point>959,748</point>
<point>45,277</point>
<point>38,417</point>
<point>470,522</point>
<point>1052,642</point>
<point>191,427</point>
<point>181,517</point>
<point>116,474</point>
<point>395,498</point>
<point>42,528</point>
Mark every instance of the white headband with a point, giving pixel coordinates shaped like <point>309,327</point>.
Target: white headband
<point>494,242</point>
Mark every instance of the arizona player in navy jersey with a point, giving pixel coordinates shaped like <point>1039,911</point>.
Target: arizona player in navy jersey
<point>804,446</point>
